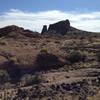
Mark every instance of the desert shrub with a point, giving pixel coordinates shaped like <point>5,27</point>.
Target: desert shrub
<point>46,61</point>
<point>57,42</point>
<point>76,56</point>
<point>22,94</point>
<point>7,55</point>
<point>7,85</point>
<point>4,76</point>
<point>43,50</point>
<point>29,79</point>
<point>3,42</point>
<point>15,74</point>
<point>98,56</point>
<point>12,60</point>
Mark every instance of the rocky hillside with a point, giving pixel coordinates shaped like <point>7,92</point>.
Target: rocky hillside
<point>62,63</point>
<point>17,32</point>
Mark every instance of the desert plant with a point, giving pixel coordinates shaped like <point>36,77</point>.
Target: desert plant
<point>15,74</point>
<point>22,94</point>
<point>43,50</point>
<point>98,56</point>
<point>76,56</point>
<point>3,42</point>
<point>4,76</point>
<point>29,79</point>
<point>46,61</point>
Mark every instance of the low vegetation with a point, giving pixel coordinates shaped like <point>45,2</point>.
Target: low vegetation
<point>46,61</point>
<point>4,76</point>
<point>76,56</point>
<point>29,79</point>
<point>98,56</point>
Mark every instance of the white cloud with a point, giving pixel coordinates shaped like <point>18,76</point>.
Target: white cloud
<point>35,20</point>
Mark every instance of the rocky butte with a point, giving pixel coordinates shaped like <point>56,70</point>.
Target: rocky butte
<point>61,27</point>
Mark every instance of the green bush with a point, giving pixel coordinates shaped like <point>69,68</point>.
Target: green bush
<point>22,94</point>
<point>76,56</point>
<point>98,56</point>
<point>29,79</point>
<point>44,50</point>
<point>3,42</point>
<point>46,61</point>
<point>4,76</point>
<point>15,74</point>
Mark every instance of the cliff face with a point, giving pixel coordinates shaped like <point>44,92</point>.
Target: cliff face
<point>61,27</point>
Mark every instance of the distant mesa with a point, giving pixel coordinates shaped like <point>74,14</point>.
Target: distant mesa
<point>61,27</point>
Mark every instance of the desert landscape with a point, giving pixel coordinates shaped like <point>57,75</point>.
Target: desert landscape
<point>60,63</point>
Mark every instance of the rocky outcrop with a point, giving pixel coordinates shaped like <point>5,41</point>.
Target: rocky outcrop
<point>61,27</point>
<point>44,30</point>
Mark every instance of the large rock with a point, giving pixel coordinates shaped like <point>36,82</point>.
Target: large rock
<point>61,27</point>
<point>44,30</point>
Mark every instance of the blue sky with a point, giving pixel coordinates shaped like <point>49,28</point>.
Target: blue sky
<point>42,5</point>
<point>32,14</point>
